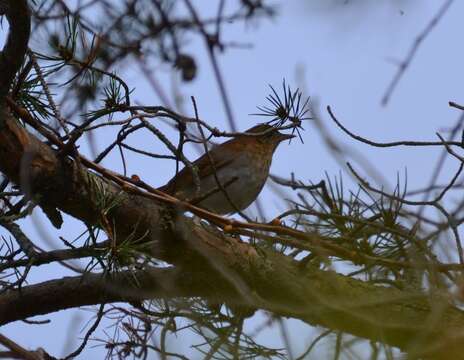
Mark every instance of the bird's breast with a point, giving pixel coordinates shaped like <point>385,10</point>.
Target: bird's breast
<point>242,180</point>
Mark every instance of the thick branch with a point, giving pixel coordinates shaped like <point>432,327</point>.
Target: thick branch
<point>90,289</point>
<point>12,56</point>
<point>396,317</point>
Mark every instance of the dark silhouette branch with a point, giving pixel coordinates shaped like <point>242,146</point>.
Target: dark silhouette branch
<point>11,58</point>
<point>387,144</point>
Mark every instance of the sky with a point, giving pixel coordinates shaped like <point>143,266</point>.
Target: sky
<point>341,53</point>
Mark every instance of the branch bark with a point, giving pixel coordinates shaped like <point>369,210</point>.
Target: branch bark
<point>11,58</point>
<point>409,320</point>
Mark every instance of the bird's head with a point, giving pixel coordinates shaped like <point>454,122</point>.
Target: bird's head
<point>269,134</point>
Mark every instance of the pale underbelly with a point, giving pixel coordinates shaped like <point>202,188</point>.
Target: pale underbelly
<point>242,188</point>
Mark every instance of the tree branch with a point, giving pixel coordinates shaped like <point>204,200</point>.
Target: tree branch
<point>399,318</point>
<point>12,56</point>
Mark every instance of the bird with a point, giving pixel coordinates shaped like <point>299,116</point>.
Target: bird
<point>232,174</point>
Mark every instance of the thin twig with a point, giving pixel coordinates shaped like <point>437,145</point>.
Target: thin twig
<point>387,144</point>
<point>404,65</point>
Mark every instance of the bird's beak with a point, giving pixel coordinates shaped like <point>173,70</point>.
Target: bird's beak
<point>284,137</point>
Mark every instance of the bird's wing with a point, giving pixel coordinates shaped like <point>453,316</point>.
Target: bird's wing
<point>206,165</point>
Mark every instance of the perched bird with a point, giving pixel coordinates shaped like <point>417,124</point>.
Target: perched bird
<point>241,166</point>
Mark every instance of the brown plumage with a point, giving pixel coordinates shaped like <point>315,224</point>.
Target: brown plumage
<point>241,165</point>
